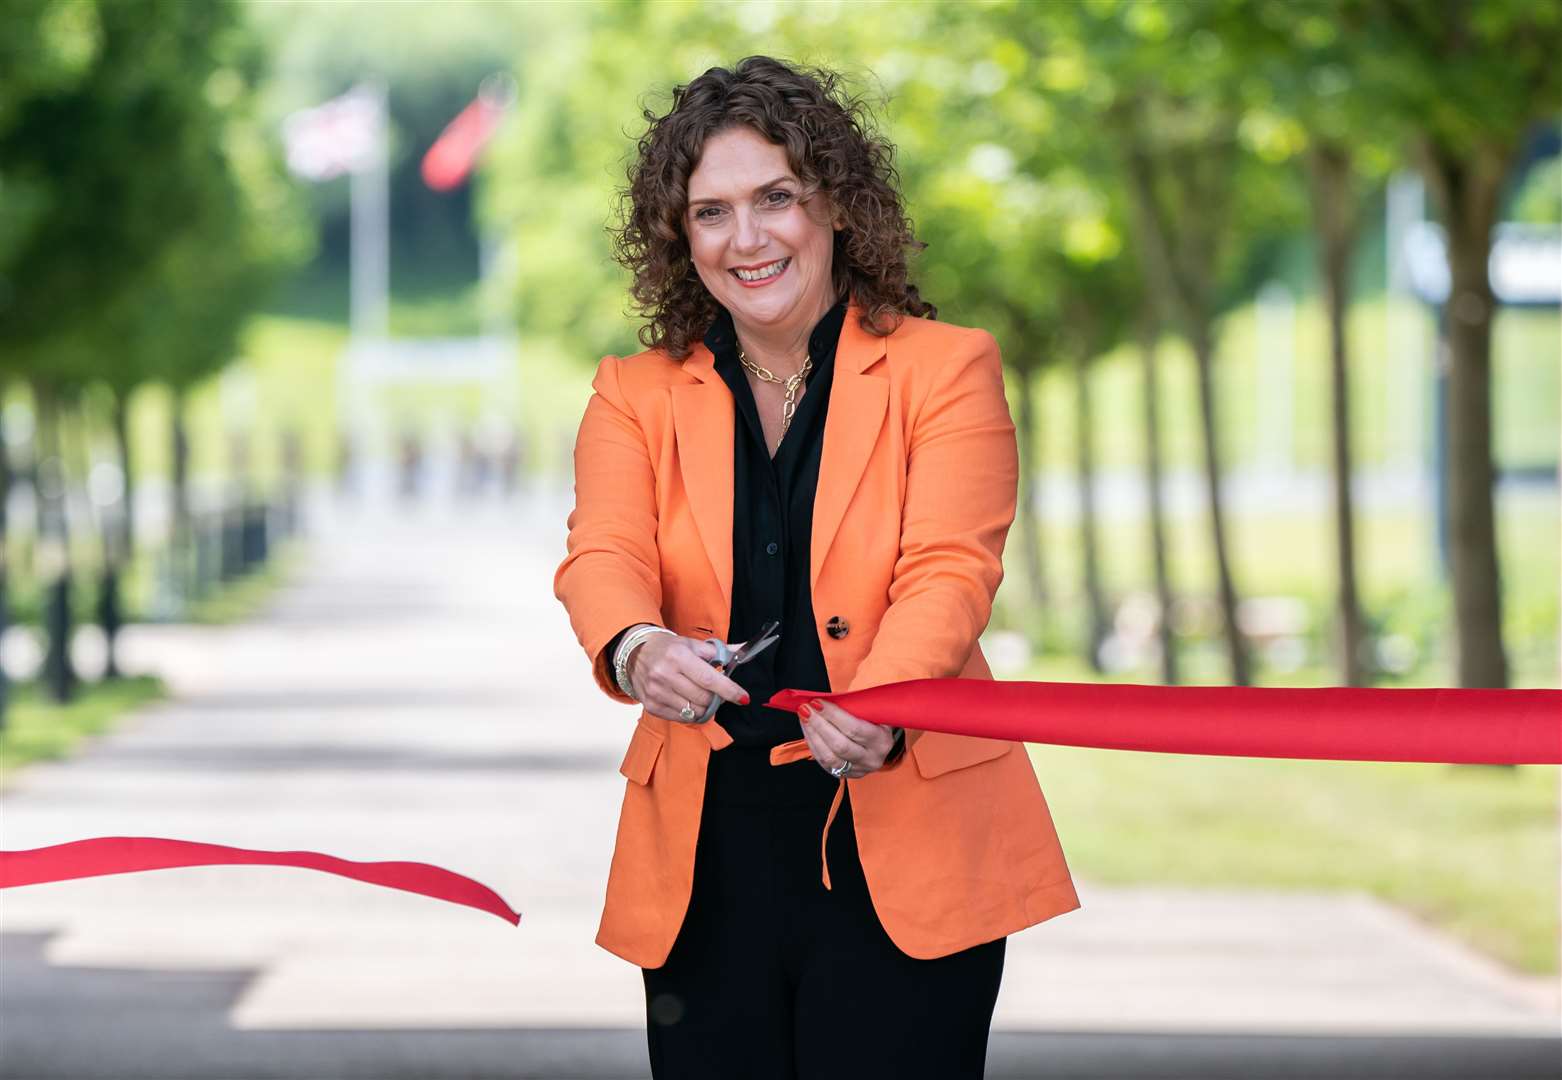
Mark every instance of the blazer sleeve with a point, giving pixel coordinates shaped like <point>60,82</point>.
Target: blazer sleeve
<point>962,473</point>
<point>610,576</point>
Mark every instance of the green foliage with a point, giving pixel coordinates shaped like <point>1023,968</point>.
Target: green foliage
<point>83,150</point>
<point>1539,201</point>
<point>46,48</point>
<point>162,211</point>
<point>1470,75</point>
<point>37,730</point>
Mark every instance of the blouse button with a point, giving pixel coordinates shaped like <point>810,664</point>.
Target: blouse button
<point>772,547</point>
<point>837,627</point>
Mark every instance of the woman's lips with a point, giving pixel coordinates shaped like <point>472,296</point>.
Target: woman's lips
<point>765,281</point>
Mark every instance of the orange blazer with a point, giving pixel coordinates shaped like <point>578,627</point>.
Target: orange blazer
<point>916,495</point>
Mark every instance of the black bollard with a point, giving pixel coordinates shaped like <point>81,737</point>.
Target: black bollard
<point>208,555</point>
<point>232,531</point>
<point>59,676</point>
<point>110,618</point>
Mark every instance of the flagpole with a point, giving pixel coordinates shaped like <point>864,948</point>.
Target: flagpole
<point>370,235</point>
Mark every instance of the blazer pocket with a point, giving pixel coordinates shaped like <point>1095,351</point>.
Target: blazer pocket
<point>641,758</point>
<point>937,752</point>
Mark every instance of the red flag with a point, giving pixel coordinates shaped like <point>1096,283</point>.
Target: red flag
<point>454,153</point>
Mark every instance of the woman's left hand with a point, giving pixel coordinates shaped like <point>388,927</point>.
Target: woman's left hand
<point>835,736</point>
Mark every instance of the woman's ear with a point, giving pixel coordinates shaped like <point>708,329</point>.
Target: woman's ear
<point>837,215</point>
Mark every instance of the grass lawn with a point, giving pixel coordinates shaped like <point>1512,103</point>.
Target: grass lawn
<point>246,596</point>
<point>284,381</point>
<point>1471,849</point>
<point>1274,396</point>
<point>37,729</point>
<point>1403,590</point>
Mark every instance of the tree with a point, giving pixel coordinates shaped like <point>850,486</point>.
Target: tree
<point>1468,80</point>
<point>46,48</point>
<point>119,163</point>
<point>181,320</point>
<point>1305,103</point>
<point>1149,326</point>
<point>988,264</point>
<point>1098,292</point>
<point>1162,94</point>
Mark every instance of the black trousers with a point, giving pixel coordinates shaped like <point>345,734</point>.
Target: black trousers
<point>773,977</point>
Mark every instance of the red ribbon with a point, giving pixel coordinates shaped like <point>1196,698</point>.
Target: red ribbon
<point>129,854</point>
<point>1496,727</point>
<point>1506,727</point>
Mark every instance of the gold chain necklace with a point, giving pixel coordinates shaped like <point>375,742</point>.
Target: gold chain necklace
<point>788,406</point>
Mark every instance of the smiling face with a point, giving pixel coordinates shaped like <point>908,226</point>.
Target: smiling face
<point>764,255</point>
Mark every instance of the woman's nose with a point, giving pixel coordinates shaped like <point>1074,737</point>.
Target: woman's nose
<point>750,235</point>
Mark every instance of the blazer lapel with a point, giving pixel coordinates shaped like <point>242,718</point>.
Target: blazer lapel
<point>858,404</point>
<point>702,425</point>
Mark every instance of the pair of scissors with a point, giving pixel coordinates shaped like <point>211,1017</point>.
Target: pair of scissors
<point>728,659</point>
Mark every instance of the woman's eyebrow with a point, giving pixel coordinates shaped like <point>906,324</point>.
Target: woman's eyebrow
<point>762,187</point>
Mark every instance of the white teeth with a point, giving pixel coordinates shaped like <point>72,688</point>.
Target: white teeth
<point>765,272</point>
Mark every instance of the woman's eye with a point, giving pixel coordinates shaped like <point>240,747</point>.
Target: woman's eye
<point>710,213</point>
<point>778,198</point>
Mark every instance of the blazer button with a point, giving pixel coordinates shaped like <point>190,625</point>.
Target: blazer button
<point>837,627</point>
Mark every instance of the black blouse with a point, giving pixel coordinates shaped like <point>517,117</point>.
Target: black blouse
<point>772,524</point>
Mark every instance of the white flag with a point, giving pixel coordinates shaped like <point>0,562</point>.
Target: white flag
<point>341,136</point>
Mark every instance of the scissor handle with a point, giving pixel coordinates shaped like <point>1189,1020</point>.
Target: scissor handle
<point>722,659</point>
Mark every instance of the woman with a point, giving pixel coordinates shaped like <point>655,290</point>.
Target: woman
<point>800,443</point>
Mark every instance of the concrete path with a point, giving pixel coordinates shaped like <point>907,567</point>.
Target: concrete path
<point>416,694</point>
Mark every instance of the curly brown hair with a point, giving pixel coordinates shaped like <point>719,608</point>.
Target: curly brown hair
<point>832,146</point>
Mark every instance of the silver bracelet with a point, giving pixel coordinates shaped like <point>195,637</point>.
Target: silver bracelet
<point>634,637</point>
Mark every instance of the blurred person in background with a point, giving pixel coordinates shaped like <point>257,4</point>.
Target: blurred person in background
<point>800,442</point>
<point>410,465</point>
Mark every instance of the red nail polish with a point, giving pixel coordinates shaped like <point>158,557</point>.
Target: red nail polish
<point>817,705</point>
<point>743,700</point>
<point>802,713</point>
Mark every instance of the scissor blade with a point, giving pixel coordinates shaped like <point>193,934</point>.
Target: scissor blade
<point>753,648</point>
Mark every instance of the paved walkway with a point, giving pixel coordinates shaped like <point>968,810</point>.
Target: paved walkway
<point>416,694</point>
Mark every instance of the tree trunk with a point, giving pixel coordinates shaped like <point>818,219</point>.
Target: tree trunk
<point>59,676</point>
<point>1236,647</point>
<point>1084,426</point>
<point>127,520</point>
<point>1467,191</point>
<point>1179,245</point>
<point>182,548</point>
<point>1031,540</point>
<point>106,520</point>
<point>5,565</point>
<point>1149,331</point>
<point>118,542</point>
<point>1335,219</point>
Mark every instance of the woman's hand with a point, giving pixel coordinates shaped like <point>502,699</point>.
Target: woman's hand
<point>835,736</point>
<point>671,673</point>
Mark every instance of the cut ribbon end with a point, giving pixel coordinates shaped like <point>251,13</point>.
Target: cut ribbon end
<point>792,700</point>
<point>104,855</point>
